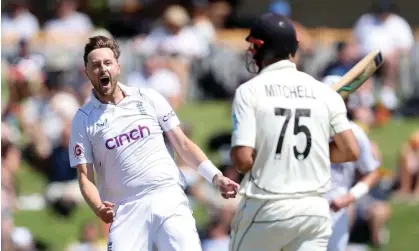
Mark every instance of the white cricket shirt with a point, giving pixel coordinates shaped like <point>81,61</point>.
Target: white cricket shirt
<point>343,174</point>
<point>288,117</point>
<point>125,143</point>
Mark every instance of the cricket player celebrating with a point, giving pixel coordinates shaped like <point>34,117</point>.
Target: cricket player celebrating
<point>119,133</point>
<point>343,177</point>
<point>283,120</point>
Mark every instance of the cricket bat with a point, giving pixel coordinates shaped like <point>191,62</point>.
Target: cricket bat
<point>354,78</point>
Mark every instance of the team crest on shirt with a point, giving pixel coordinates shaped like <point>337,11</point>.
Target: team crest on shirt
<point>110,246</point>
<point>78,151</point>
<point>102,123</point>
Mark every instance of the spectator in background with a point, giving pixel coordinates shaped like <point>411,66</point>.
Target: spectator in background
<point>178,41</point>
<point>157,76</point>
<point>218,12</point>
<point>175,37</point>
<point>384,29</point>
<point>12,238</point>
<point>26,65</point>
<point>62,191</point>
<point>10,159</point>
<point>219,74</point>
<point>23,78</point>
<point>407,180</point>
<point>347,57</point>
<point>10,162</point>
<point>48,109</point>
<point>68,20</point>
<point>201,21</point>
<point>64,36</point>
<point>25,58</point>
<point>89,239</point>
<point>19,22</point>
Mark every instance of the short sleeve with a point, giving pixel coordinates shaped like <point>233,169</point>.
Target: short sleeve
<point>166,116</point>
<point>366,162</point>
<point>244,121</point>
<point>80,149</point>
<point>338,114</point>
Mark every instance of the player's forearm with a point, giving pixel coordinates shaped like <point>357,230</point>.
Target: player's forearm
<point>90,193</point>
<point>336,155</point>
<point>192,154</point>
<point>243,165</point>
<point>372,178</point>
<point>196,158</point>
<point>339,155</point>
<point>362,187</point>
<point>242,158</point>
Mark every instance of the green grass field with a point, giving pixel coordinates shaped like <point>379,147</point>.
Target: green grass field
<point>207,119</point>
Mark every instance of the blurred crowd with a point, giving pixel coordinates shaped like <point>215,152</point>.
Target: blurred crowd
<point>184,55</point>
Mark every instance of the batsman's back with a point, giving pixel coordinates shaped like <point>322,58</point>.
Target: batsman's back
<point>294,117</point>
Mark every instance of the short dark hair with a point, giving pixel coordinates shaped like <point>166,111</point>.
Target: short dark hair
<point>98,42</point>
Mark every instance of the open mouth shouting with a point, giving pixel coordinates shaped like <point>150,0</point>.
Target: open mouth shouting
<point>105,81</point>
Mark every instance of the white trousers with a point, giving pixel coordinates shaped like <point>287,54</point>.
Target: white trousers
<point>289,225</point>
<point>161,219</point>
<point>340,231</point>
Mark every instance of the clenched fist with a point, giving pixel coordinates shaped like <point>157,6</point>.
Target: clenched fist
<point>105,212</point>
<point>226,186</point>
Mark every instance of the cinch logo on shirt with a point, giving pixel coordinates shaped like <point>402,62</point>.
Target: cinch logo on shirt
<point>135,134</point>
<point>169,115</point>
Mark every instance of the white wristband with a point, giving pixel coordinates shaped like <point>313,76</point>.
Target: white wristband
<point>207,170</point>
<point>359,190</point>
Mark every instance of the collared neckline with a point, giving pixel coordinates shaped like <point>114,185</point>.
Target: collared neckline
<point>125,89</point>
<point>279,66</point>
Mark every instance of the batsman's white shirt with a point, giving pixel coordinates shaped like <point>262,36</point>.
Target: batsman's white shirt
<point>288,117</point>
<point>125,143</point>
<point>343,178</point>
<point>135,170</point>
